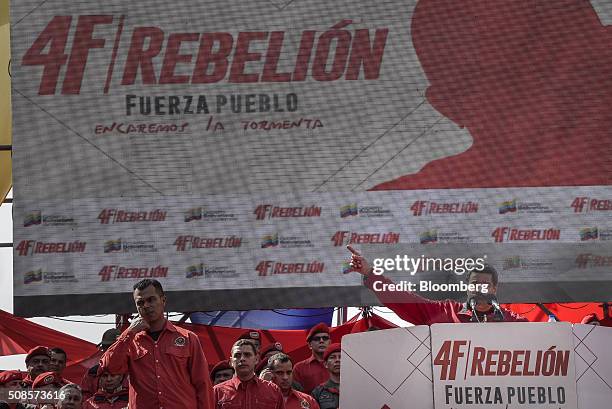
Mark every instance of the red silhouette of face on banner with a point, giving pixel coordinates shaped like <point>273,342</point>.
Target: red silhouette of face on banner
<point>530,80</point>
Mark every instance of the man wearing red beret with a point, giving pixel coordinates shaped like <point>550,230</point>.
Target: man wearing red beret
<point>311,372</point>
<point>328,393</point>
<point>266,353</point>
<point>90,380</point>
<point>10,381</point>
<point>37,361</point>
<point>48,380</point>
<point>51,382</point>
<point>111,393</point>
<point>221,372</point>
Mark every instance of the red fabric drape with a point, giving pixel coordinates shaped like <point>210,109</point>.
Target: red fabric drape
<point>217,341</point>
<point>569,312</point>
<point>18,336</point>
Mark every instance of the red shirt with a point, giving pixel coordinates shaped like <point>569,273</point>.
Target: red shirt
<point>90,380</point>
<point>310,373</point>
<point>170,373</point>
<point>104,400</point>
<point>89,383</point>
<point>418,310</point>
<point>252,394</point>
<point>300,400</point>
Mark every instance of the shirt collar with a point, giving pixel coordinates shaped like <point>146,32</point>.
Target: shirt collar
<point>168,326</point>
<point>331,384</point>
<point>467,312</point>
<point>236,382</point>
<point>313,358</point>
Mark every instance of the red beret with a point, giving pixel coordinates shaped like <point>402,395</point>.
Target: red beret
<point>39,350</point>
<point>8,376</point>
<point>48,378</point>
<point>102,370</point>
<point>330,350</point>
<point>277,346</point>
<point>219,366</point>
<point>589,318</point>
<point>320,327</point>
<point>250,334</point>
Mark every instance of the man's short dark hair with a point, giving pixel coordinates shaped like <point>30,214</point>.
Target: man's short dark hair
<point>281,358</point>
<point>488,269</point>
<point>58,350</point>
<point>242,342</point>
<point>142,284</point>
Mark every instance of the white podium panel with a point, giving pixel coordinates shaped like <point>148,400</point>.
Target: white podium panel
<point>505,366</point>
<point>388,369</point>
<point>593,366</point>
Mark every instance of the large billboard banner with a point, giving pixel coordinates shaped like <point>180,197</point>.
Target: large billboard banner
<point>233,149</point>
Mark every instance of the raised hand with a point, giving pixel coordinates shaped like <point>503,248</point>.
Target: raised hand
<point>138,325</point>
<point>359,263</point>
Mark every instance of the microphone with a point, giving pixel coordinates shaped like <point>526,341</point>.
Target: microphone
<point>498,312</point>
<point>472,304</point>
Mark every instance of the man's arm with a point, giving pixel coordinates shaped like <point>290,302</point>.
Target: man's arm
<point>117,356</point>
<point>408,305</point>
<point>200,378</point>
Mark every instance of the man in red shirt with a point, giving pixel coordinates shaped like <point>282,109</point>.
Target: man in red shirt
<point>57,360</point>
<point>111,394</point>
<point>37,362</point>
<point>89,382</point>
<point>422,311</point>
<point>265,354</point>
<point>221,372</point>
<point>311,372</point>
<point>166,364</point>
<point>282,375</point>
<point>245,390</point>
<point>10,381</point>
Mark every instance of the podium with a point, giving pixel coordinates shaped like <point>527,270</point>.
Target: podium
<point>478,366</point>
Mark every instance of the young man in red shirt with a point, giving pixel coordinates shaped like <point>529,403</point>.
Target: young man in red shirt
<point>282,375</point>
<point>111,394</point>
<point>245,390</point>
<point>89,382</point>
<point>166,364</point>
<point>311,372</point>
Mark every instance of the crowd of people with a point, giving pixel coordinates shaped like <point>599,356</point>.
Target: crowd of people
<point>155,364</point>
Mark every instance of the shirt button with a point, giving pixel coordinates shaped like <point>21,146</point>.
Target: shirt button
<point>158,376</point>
<point>157,360</point>
<point>159,393</point>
